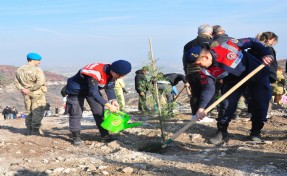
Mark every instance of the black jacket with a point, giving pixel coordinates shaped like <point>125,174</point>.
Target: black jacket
<point>221,38</point>
<point>204,41</point>
<point>175,78</point>
<point>140,82</point>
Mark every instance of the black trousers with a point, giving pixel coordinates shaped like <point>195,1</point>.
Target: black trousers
<point>196,88</point>
<point>75,107</point>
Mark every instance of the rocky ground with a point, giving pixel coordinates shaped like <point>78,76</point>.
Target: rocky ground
<point>190,154</point>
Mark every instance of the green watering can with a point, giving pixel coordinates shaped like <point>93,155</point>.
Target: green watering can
<point>116,122</point>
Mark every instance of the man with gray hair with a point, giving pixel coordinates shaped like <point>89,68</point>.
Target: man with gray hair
<point>219,35</point>
<point>191,70</point>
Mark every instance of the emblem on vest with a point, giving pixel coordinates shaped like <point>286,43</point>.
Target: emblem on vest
<point>195,55</point>
<point>231,56</point>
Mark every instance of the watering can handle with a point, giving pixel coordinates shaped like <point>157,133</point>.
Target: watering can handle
<point>106,113</point>
<point>119,113</point>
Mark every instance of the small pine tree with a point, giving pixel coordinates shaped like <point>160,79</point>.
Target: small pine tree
<point>156,103</point>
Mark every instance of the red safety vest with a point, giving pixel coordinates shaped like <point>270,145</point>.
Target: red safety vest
<point>228,53</point>
<point>97,72</point>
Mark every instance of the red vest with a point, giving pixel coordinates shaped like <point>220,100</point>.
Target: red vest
<point>227,56</point>
<point>228,53</point>
<point>97,72</point>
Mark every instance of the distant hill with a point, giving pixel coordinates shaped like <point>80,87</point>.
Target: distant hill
<point>10,96</point>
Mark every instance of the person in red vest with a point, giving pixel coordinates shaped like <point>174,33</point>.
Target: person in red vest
<point>229,58</point>
<point>86,84</point>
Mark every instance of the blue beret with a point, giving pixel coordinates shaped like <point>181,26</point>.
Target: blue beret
<point>121,67</point>
<point>34,56</point>
<point>192,54</point>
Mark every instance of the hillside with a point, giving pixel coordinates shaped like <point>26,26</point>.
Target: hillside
<point>10,96</point>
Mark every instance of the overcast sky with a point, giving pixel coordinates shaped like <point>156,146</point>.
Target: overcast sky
<point>78,32</point>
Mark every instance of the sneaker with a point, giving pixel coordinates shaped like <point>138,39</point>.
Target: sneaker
<point>255,138</point>
<point>219,138</point>
<point>108,138</point>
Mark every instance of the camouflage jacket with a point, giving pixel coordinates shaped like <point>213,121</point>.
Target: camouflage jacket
<point>30,77</point>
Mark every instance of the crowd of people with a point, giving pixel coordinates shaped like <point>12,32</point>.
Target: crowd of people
<point>213,63</point>
<point>9,112</point>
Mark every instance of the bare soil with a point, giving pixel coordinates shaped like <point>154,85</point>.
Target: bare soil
<point>190,154</point>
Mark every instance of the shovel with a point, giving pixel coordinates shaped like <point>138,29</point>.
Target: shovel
<point>157,147</point>
<point>116,122</point>
<point>175,97</point>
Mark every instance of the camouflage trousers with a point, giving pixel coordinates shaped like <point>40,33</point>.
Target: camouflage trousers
<point>35,104</point>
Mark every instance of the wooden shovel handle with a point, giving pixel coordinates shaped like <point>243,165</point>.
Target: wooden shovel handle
<point>193,120</point>
<point>178,94</point>
<point>188,90</point>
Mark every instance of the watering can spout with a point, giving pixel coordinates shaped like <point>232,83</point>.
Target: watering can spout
<point>135,124</point>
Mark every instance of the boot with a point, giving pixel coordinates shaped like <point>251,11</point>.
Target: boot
<point>28,131</point>
<point>255,132</point>
<point>277,99</point>
<point>221,134</point>
<point>35,131</point>
<point>77,138</point>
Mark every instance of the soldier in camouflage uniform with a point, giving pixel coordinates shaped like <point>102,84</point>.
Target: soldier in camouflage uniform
<point>30,80</point>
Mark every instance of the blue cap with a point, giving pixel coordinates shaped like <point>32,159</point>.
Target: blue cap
<point>192,54</point>
<point>121,67</point>
<point>34,56</point>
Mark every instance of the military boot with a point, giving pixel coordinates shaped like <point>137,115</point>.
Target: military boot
<point>221,134</point>
<point>77,138</point>
<point>35,131</point>
<point>28,131</point>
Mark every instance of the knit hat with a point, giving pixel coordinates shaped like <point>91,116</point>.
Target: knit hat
<point>121,67</point>
<point>34,56</point>
<point>193,54</point>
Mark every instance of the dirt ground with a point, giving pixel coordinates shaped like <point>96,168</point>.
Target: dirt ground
<point>190,154</point>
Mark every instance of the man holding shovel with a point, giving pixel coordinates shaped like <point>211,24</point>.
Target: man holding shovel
<point>230,58</point>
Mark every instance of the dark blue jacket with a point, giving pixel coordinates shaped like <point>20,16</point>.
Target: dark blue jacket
<point>242,69</point>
